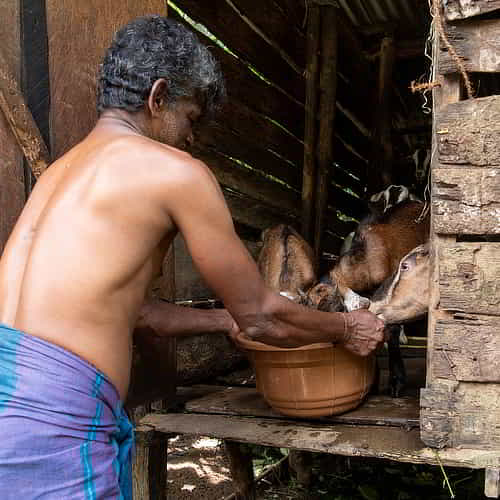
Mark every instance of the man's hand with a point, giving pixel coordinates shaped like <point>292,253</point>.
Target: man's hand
<point>364,332</point>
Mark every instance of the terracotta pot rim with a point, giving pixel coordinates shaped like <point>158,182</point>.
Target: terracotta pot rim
<point>253,345</point>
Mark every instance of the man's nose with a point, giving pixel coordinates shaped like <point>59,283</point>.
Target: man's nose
<point>190,139</point>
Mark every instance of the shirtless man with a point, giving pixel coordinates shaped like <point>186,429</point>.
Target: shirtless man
<point>76,269</point>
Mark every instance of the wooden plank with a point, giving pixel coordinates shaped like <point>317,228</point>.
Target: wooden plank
<point>74,60</point>
<point>246,148</point>
<point>466,348</point>
<point>230,174</point>
<point>385,442</point>
<point>469,277</point>
<point>259,130</point>
<point>275,24</point>
<point>222,20</point>
<point>461,414</point>
<point>463,9</point>
<point>246,401</point>
<point>12,195</point>
<point>466,200</point>
<point>254,213</point>
<point>467,133</point>
<point>346,202</point>
<point>477,43</point>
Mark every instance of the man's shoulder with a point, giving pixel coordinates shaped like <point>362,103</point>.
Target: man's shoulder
<point>163,162</point>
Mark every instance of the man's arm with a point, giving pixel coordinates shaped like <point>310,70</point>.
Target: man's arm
<point>161,319</point>
<point>198,209</point>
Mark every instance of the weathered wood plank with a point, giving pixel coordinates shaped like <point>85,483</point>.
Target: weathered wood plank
<point>253,213</point>
<point>247,149</point>
<point>467,348</point>
<point>466,200</point>
<point>237,177</point>
<point>74,60</point>
<point>463,9</point>
<point>467,132</point>
<point>246,401</point>
<point>223,21</point>
<point>12,195</point>
<point>476,42</point>
<point>387,442</point>
<point>469,277</point>
<point>275,24</point>
<point>461,414</point>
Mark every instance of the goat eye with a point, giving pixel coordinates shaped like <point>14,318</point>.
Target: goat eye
<point>405,266</point>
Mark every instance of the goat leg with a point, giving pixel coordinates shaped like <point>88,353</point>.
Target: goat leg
<point>397,372</point>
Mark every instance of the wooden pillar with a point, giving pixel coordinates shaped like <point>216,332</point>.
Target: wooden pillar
<point>241,471</point>
<point>12,192</point>
<point>301,463</point>
<point>149,473</point>
<point>327,105</point>
<point>380,169</point>
<point>309,169</point>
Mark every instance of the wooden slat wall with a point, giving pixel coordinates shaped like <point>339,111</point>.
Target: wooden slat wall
<point>246,130</point>
<point>460,406</point>
<point>12,193</point>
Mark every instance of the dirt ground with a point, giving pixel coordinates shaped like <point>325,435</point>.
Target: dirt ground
<point>197,468</point>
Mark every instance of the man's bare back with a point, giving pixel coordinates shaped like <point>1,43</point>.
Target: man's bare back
<point>89,241</point>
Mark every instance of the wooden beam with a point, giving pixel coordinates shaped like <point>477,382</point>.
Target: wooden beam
<point>309,172</point>
<point>21,122</point>
<point>328,95</point>
<point>12,193</point>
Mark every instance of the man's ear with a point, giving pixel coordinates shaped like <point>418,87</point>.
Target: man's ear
<point>157,99</point>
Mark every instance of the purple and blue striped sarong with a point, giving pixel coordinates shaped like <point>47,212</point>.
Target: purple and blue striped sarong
<point>63,431</point>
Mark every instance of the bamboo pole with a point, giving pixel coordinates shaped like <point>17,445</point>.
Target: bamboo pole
<point>327,100</point>
<point>309,169</point>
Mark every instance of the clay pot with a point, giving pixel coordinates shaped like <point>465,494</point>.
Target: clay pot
<point>310,381</point>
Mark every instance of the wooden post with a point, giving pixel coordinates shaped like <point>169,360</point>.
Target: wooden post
<point>327,102</point>
<point>492,482</point>
<point>301,463</point>
<point>380,170</point>
<point>149,473</point>
<point>12,194</point>
<point>241,471</point>
<point>309,169</point>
